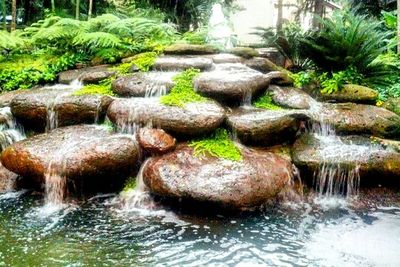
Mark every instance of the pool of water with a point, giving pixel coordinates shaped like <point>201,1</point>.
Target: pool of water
<point>318,232</point>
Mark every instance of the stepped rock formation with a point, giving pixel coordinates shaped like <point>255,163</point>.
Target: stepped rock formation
<point>86,75</point>
<point>180,63</point>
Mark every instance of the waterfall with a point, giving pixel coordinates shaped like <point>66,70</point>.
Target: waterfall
<point>10,130</point>
<point>220,33</point>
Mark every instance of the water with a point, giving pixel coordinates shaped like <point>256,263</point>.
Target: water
<point>300,234</point>
<point>158,83</point>
<point>10,130</point>
<point>219,31</point>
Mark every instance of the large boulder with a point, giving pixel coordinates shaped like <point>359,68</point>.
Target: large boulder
<point>272,54</point>
<point>353,118</point>
<point>86,75</point>
<point>231,83</point>
<point>190,49</point>
<point>353,93</point>
<point>248,183</point>
<point>280,77</point>
<point>180,63</point>
<point>265,127</point>
<point>290,97</point>
<point>193,119</point>
<point>244,52</point>
<point>144,84</point>
<point>83,155</point>
<point>393,104</point>
<point>261,64</point>
<point>8,180</point>
<point>50,107</point>
<point>7,97</point>
<point>155,141</point>
<point>311,152</point>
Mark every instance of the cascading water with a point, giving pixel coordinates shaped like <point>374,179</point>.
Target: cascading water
<point>158,81</point>
<point>10,130</point>
<point>220,33</point>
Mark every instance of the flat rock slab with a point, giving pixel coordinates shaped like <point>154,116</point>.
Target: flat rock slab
<point>226,58</point>
<point>231,83</point>
<point>86,75</point>
<point>290,97</point>
<point>272,54</point>
<point>258,178</point>
<point>354,94</point>
<point>313,151</point>
<point>180,63</point>
<point>265,127</point>
<point>261,64</point>
<point>35,107</point>
<point>190,49</point>
<point>280,77</point>
<point>7,97</point>
<point>144,84</point>
<point>194,119</point>
<point>353,118</point>
<point>78,153</point>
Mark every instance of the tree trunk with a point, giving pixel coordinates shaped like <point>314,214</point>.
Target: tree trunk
<point>398,26</point>
<point>279,19</point>
<point>318,13</point>
<point>4,11</point>
<point>77,9</point>
<point>53,6</point>
<point>14,15</point>
<point>90,9</point>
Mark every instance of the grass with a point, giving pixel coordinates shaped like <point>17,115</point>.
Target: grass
<point>183,91</point>
<point>103,88</point>
<point>266,102</point>
<point>218,144</point>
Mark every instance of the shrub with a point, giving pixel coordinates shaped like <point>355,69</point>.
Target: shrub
<point>218,144</point>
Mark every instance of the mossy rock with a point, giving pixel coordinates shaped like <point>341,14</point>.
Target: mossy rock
<point>190,49</point>
<point>353,93</point>
<point>245,52</point>
<point>393,104</point>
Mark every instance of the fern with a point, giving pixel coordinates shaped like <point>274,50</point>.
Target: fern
<point>10,41</point>
<point>96,40</point>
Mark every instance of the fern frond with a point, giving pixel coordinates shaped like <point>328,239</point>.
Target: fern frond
<point>96,40</point>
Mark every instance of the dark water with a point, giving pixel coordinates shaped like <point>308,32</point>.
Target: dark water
<point>318,233</point>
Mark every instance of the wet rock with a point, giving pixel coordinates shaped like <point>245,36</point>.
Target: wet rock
<point>194,119</point>
<point>290,97</point>
<point>353,118</point>
<point>7,97</point>
<point>280,78</point>
<point>393,104</point>
<point>86,75</point>
<point>265,127</point>
<point>272,54</point>
<point>310,152</point>
<point>261,64</point>
<point>85,155</point>
<point>244,52</point>
<point>155,141</point>
<point>8,180</point>
<point>144,84</point>
<point>190,49</point>
<point>353,93</point>
<point>245,184</point>
<point>180,63</point>
<point>35,107</point>
<point>231,83</point>
<point>226,58</point>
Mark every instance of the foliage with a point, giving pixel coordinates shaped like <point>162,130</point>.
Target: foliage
<point>335,82</point>
<point>218,144</point>
<point>266,102</point>
<point>103,88</point>
<point>9,41</point>
<point>198,36</point>
<point>183,91</point>
<point>143,62</point>
<point>130,184</point>
<point>303,78</point>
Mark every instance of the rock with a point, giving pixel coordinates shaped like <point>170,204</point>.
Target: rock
<point>86,75</point>
<point>35,107</point>
<point>226,58</point>
<point>393,104</point>
<point>180,63</point>
<point>353,93</point>
<point>245,184</point>
<point>194,119</point>
<point>272,54</point>
<point>261,64</point>
<point>290,97</point>
<point>8,180</point>
<point>86,155</point>
<point>7,97</point>
<point>144,84</point>
<point>155,141</point>
<point>280,78</point>
<point>311,152</point>
<point>231,83</point>
<point>353,118</point>
<point>265,127</point>
<point>190,49</point>
<point>245,52</point>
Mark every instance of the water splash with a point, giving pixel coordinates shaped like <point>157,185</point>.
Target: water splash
<point>158,83</point>
<point>10,130</point>
<point>220,33</point>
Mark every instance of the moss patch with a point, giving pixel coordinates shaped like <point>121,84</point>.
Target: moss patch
<point>103,88</point>
<point>130,184</point>
<point>266,102</point>
<point>143,62</point>
<point>218,144</point>
<point>183,91</point>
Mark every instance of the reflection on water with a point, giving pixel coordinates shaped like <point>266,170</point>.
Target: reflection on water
<point>315,233</point>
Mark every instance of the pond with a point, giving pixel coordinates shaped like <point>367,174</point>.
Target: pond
<point>318,232</point>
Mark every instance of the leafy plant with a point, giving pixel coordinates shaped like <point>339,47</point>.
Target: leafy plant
<point>218,144</point>
<point>266,102</point>
<point>183,91</point>
<point>103,88</point>
<point>303,78</point>
<point>334,82</point>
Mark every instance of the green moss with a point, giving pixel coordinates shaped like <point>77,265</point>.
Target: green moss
<point>143,62</point>
<point>218,144</point>
<point>183,91</point>
<point>103,88</point>
<point>130,184</point>
<point>266,102</point>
